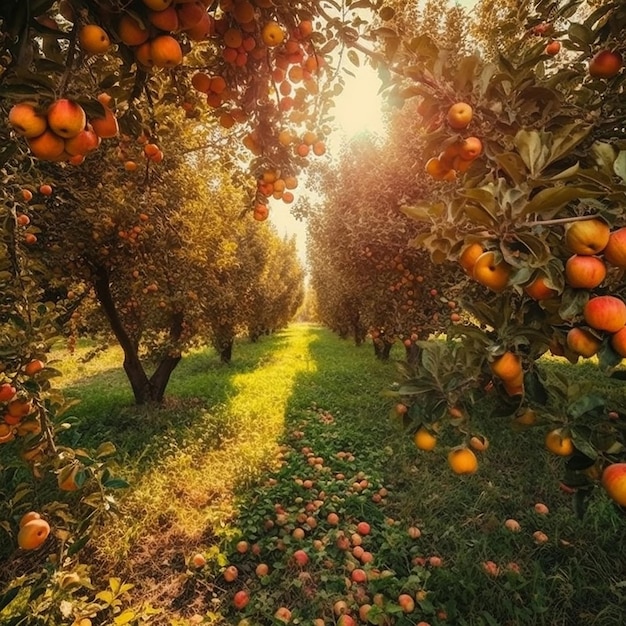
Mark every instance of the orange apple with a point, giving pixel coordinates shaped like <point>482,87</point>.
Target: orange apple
<point>66,118</point>
<point>47,146</point>
<point>93,39</point>
<point>469,255</point>
<point>105,127</point>
<point>507,367</point>
<point>165,20</point>
<point>605,64</point>
<point>605,313</point>
<point>587,236</point>
<point>491,271</point>
<point>584,271</point>
<point>25,120</point>
<point>189,14</point>
<point>538,289</point>
<point>614,482</point>
<point>165,51</point>
<point>406,602</point>
<point>33,534</point>
<point>84,142</point>
<point>459,115</point>
<point>615,251</point>
<point>272,34</point>
<point>582,342</point>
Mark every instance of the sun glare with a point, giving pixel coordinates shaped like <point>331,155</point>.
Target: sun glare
<point>359,107</point>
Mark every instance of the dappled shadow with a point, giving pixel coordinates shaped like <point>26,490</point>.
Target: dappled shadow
<point>199,386</point>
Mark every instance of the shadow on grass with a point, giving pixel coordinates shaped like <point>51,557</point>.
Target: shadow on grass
<point>199,388</point>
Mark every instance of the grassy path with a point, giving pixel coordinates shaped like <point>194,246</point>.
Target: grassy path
<point>294,431</point>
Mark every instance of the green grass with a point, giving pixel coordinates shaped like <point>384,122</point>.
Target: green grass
<point>224,457</point>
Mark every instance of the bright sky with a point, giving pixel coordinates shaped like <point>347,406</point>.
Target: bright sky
<point>358,108</point>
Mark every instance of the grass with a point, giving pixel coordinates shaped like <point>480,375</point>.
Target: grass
<point>226,458</point>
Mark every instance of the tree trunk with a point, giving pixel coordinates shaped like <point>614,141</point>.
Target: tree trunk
<point>145,389</point>
<point>412,354</point>
<point>382,349</point>
<point>226,351</point>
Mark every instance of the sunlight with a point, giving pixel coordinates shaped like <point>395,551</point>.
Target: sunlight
<point>359,107</point>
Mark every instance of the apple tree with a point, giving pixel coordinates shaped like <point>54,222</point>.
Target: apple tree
<point>528,153</point>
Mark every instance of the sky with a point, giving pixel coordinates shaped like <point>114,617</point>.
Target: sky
<point>358,108</point>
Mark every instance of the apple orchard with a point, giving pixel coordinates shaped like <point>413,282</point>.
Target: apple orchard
<point>145,143</point>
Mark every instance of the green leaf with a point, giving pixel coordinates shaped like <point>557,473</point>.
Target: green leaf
<point>619,165</point>
<point>566,139</point>
<point>548,202</point>
<point>105,449</point>
<point>115,483</point>
<point>580,34</point>
<point>532,150</point>
<point>9,596</point>
<point>78,545</point>
<point>585,404</point>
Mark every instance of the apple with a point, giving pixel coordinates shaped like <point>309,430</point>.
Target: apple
<point>513,525</point>
<point>346,620</point>
<point>26,121</point>
<point>605,64</point>
<point>538,289</point>
<point>491,569</point>
<point>406,602</point>
<point>241,599</point>
<point>231,573</point>
<point>491,272</point>
<point>614,482</point>
<point>7,391</point>
<point>605,313</point>
<point>587,236</point>
<point>615,251</point>
<point>283,614</point>
<point>66,118</point>
<point>584,271</point>
<point>469,255</point>
<point>541,508</point>
<point>618,342</point>
<point>301,558</point>
<point>459,115</point>
<point>198,560</point>
<point>582,342</point>
<point>358,575</point>
<point>363,528</point>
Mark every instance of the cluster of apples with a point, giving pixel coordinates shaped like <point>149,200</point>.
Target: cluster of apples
<point>62,132</point>
<point>458,156</point>
<point>18,411</point>
<point>149,150</point>
<point>148,28</point>
<point>273,184</point>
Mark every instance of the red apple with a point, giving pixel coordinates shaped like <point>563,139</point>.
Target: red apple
<point>614,482</point>
<point>301,558</point>
<point>241,599</point>
<point>582,342</point>
<point>584,271</point>
<point>615,251</point>
<point>605,64</point>
<point>605,313</point>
